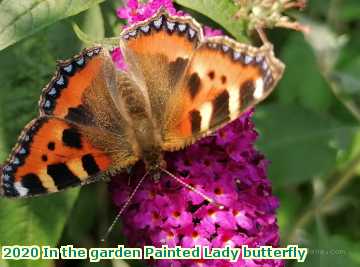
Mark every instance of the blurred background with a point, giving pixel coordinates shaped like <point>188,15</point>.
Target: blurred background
<point>309,128</point>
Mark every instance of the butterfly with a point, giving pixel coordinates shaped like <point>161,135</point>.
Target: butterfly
<point>179,86</point>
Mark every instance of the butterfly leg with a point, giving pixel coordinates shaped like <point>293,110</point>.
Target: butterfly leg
<point>129,171</point>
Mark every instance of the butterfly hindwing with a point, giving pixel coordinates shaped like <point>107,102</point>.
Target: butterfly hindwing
<point>51,154</point>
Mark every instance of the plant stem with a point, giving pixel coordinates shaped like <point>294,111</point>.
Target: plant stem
<point>345,177</point>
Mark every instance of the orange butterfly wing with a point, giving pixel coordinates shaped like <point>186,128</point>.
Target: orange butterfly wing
<point>195,84</point>
<point>157,52</point>
<point>78,136</point>
<point>223,80</point>
<point>52,154</point>
<point>72,79</point>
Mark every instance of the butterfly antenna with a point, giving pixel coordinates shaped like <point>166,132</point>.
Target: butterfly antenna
<point>124,206</point>
<point>193,189</point>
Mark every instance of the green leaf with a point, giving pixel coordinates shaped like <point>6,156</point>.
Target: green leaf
<point>93,23</point>
<point>302,82</point>
<point>19,19</point>
<point>345,78</point>
<point>77,227</point>
<point>300,143</point>
<point>222,12</point>
<point>2,143</point>
<point>288,210</point>
<point>35,221</point>
<point>83,37</point>
<point>319,7</point>
<point>348,10</point>
<point>25,69</point>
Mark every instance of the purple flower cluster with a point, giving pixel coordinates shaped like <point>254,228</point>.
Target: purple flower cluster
<point>135,11</point>
<point>224,166</point>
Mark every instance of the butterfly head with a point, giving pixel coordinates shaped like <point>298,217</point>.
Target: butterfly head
<point>154,162</point>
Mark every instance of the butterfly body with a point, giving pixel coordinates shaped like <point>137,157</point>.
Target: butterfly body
<point>177,88</point>
<point>149,144</point>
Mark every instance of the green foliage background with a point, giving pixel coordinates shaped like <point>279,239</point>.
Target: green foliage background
<point>309,128</point>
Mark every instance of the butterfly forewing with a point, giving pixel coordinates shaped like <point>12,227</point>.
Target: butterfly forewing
<point>158,52</point>
<point>224,79</point>
<point>79,135</point>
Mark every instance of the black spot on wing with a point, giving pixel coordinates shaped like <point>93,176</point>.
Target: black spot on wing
<point>72,138</point>
<point>89,164</point>
<point>211,75</point>
<point>194,84</point>
<point>80,114</point>
<point>62,175</point>
<point>51,146</point>
<point>220,109</point>
<point>195,119</point>
<point>246,93</point>
<point>176,69</point>
<point>33,183</point>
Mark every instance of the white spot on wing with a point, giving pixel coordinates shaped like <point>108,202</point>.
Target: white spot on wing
<point>132,33</point>
<point>21,190</point>
<point>16,161</point>
<point>158,23</point>
<point>80,61</point>
<point>205,111</point>
<point>170,25</point>
<point>248,59</point>
<point>264,65</point>
<point>47,104</point>
<point>68,68</point>
<point>234,102</point>
<point>8,168</point>
<point>191,33</point>
<point>6,177</point>
<point>225,48</point>
<point>259,88</point>
<point>182,27</point>
<point>145,28</point>
<point>237,55</point>
<point>60,81</point>
<point>52,91</point>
